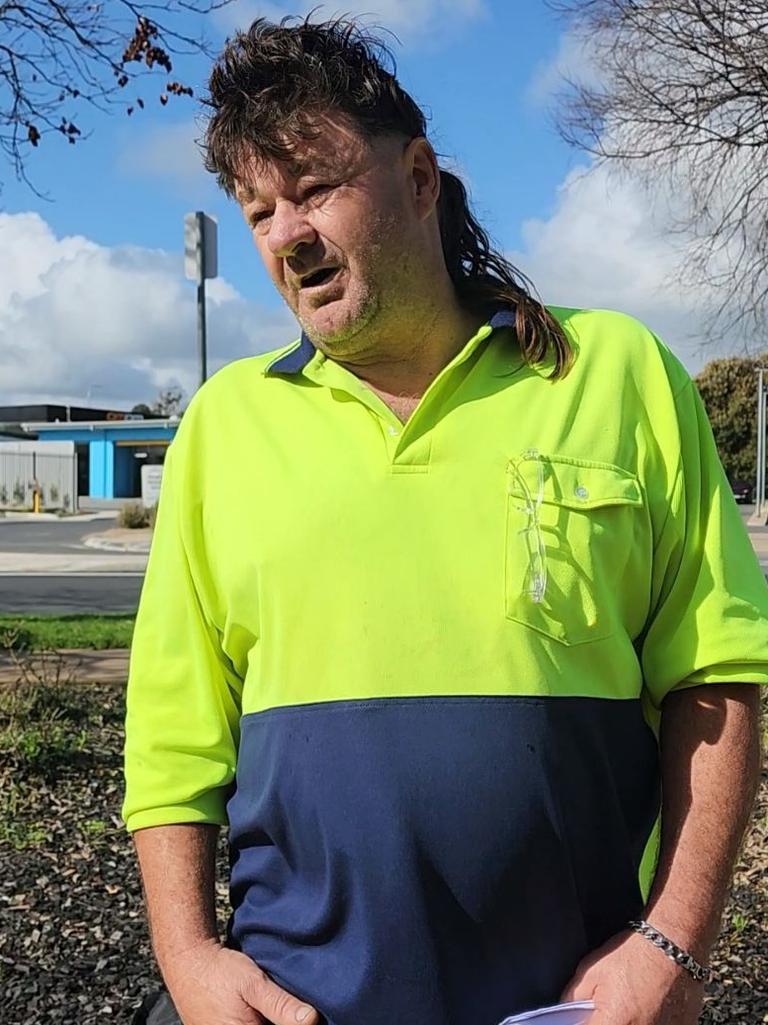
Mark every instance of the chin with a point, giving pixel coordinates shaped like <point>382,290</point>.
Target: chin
<point>335,324</point>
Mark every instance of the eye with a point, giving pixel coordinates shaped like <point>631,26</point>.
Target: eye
<point>258,219</point>
<point>316,190</point>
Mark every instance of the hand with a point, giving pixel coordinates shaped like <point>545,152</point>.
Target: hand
<point>633,983</point>
<point>213,985</point>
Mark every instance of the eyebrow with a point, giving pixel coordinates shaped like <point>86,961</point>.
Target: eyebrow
<point>297,169</point>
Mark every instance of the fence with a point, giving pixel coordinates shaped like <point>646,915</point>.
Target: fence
<point>49,466</point>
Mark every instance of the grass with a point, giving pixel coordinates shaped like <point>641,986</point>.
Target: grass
<point>43,633</point>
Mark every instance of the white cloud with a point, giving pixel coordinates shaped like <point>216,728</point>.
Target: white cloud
<point>605,246</point>
<point>119,322</point>
<point>574,61</point>
<point>431,21</point>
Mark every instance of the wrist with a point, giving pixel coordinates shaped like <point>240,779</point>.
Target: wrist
<point>683,958</point>
<point>690,926</point>
<point>181,958</point>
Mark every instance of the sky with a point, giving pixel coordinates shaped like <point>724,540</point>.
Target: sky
<point>94,305</point>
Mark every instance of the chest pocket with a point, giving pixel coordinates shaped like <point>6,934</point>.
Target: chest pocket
<point>570,530</point>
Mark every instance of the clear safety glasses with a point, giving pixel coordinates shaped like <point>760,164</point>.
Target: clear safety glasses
<point>536,576</point>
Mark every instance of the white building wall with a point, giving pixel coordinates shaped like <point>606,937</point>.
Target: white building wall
<point>53,464</point>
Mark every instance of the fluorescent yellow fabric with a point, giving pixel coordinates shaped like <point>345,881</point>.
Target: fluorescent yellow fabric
<point>309,547</point>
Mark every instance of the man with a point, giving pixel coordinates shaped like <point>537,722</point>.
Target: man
<point>441,598</point>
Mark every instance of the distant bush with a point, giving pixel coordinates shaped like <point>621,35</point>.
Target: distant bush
<point>134,515</point>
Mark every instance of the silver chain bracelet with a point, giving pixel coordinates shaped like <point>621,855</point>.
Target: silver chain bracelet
<point>677,954</point>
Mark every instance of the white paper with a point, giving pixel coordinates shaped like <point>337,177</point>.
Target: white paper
<point>577,1013</point>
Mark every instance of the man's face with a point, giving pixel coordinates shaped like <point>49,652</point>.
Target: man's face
<point>335,230</point>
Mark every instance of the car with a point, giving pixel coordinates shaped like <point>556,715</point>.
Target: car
<point>743,491</point>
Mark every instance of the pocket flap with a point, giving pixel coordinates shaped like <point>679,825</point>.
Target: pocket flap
<point>574,483</point>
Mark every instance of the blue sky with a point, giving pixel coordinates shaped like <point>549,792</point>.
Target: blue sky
<point>94,292</point>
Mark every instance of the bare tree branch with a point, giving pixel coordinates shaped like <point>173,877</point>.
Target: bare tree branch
<point>58,57</point>
<point>681,102</point>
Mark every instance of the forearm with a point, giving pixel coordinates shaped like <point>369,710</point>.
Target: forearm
<point>178,870</point>
<point>710,766</point>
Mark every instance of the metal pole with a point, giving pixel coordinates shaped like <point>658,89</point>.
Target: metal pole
<point>764,397</point>
<point>760,468</point>
<point>202,341</point>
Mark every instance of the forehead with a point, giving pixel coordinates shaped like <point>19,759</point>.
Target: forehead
<point>333,150</point>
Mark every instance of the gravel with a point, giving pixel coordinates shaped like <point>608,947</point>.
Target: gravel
<point>73,940</point>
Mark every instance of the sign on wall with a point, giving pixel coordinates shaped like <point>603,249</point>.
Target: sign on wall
<point>151,476</point>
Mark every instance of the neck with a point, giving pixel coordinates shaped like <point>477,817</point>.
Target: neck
<point>414,354</point>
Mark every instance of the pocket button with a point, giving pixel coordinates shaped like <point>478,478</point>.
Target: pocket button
<point>581,492</point>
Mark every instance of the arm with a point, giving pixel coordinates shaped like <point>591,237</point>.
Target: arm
<point>182,732</point>
<point>710,760</point>
<point>178,870</point>
<point>209,984</point>
<point>710,754</point>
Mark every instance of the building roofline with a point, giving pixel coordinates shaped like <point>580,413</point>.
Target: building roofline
<point>92,425</point>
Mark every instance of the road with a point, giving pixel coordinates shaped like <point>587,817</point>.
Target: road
<point>49,536</point>
<point>64,595</point>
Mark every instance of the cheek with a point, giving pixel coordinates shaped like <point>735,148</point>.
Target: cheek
<point>272,264</point>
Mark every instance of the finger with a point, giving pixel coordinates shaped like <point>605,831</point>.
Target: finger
<point>276,1004</point>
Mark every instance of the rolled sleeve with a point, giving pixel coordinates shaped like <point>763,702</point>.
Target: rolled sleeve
<point>183,697</point>
<point>710,600</point>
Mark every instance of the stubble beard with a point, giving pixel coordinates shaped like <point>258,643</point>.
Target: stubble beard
<point>342,339</point>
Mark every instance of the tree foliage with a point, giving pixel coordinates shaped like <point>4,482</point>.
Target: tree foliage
<point>728,388</point>
<point>677,94</point>
<point>169,402</point>
<point>61,58</point>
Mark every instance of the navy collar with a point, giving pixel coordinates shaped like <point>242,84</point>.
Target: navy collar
<point>294,361</point>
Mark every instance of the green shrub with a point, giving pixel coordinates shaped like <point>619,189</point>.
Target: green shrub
<point>133,515</point>
<point>43,728</point>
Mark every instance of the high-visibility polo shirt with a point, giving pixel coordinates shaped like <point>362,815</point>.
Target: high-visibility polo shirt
<point>415,667</point>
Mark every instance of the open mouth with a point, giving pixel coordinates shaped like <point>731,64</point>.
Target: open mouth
<point>320,277</point>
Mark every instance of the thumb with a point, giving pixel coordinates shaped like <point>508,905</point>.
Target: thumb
<point>580,987</point>
<point>276,1004</point>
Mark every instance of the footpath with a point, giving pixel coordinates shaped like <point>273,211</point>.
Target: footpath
<point>66,666</point>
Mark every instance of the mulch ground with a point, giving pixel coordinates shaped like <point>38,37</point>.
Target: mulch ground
<point>73,942</point>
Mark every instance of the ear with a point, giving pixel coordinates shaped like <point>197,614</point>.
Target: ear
<point>423,176</point>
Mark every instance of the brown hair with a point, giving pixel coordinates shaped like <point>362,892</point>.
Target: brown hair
<point>268,90</point>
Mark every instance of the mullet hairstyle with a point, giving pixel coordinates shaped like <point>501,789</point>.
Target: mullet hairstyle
<point>274,82</point>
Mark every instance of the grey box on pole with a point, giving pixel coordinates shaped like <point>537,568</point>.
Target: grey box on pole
<point>200,246</point>
<point>200,263</point>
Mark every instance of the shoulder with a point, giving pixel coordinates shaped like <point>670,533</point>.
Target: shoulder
<point>240,388</point>
<point>239,375</point>
<point>607,342</point>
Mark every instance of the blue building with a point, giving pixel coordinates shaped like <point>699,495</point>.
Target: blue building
<point>110,450</point>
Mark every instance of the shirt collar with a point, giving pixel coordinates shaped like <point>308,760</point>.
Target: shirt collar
<point>296,359</point>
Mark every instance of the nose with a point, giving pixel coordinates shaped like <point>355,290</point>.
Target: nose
<point>289,229</point>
